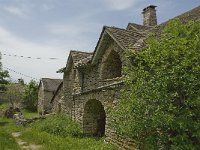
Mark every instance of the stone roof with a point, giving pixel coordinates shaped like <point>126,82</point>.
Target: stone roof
<point>79,55</point>
<point>138,27</point>
<point>50,85</point>
<point>125,38</point>
<point>84,61</point>
<point>193,14</point>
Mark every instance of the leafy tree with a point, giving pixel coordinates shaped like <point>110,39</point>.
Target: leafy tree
<point>160,105</point>
<point>15,93</point>
<point>3,75</point>
<point>30,96</point>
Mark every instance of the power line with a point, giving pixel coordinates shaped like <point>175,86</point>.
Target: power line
<point>20,73</point>
<point>29,57</point>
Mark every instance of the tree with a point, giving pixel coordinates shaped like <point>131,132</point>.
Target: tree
<point>30,96</point>
<point>15,93</point>
<point>3,75</point>
<point>160,105</point>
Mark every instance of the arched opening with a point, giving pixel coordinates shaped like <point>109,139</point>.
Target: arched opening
<point>112,66</point>
<point>94,119</point>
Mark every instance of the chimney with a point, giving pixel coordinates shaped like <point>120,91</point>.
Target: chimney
<point>149,14</point>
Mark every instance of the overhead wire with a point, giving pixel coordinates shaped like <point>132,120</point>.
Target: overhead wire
<point>30,57</point>
<point>20,73</point>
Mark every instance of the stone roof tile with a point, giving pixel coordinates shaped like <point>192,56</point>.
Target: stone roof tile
<point>50,85</point>
<point>126,38</point>
<point>133,26</point>
<point>80,57</point>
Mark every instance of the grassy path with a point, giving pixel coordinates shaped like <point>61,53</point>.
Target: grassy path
<point>23,144</point>
<point>54,133</point>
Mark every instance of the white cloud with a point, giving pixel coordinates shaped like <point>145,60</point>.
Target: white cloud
<point>15,11</point>
<point>120,4</point>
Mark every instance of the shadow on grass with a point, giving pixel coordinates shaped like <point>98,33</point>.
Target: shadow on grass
<point>3,123</point>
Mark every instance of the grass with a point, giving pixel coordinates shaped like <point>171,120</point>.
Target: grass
<point>3,105</point>
<point>56,132</point>
<point>59,132</point>
<point>52,142</point>
<point>7,142</point>
<point>29,114</point>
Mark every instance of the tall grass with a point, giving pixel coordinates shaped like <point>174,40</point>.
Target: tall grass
<point>59,132</point>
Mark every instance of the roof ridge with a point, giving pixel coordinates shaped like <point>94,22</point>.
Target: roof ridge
<point>51,78</point>
<point>113,27</point>
<point>77,51</point>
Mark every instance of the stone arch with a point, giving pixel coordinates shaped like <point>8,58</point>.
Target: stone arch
<point>94,118</point>
<point>111,65</point>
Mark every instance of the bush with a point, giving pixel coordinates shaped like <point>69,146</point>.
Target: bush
<point>59,125</point>
<point>160,107</point>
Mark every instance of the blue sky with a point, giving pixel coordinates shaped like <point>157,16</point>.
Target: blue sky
<point>51,28</point>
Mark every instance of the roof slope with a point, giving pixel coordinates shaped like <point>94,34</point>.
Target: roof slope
<point>126,38</point>
<point>79,55</point>
<point>50,85</point>
<point>138,27</point>
<point>80,58</point>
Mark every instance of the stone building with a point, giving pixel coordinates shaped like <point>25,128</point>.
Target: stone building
<point>47,88</point>
<point>57,99</point>
<point>92,81</point>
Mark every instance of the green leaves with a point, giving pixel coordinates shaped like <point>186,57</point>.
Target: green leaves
<point>3,75</point>
<point>30,96</point>
<point>162,103</point>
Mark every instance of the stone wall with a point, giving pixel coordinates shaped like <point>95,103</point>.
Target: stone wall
<point>56,104</point>
<point>91,91</point>
<point>68,86</point>
<point>40,100</point>
<point>44,98</point>
<point>92,111</point>
<point>47,101</point>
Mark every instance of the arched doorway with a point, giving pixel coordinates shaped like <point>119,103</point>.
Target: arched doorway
<point>94,118</point>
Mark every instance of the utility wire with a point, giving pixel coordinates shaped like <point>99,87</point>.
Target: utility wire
<point>20,73</point>
<point>29,57</point>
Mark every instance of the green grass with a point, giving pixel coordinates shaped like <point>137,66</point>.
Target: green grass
<point>56,132</point>
<point>3,105</point>
<point>29,114</point>
<point>52,142</point>
<point>7,142</point>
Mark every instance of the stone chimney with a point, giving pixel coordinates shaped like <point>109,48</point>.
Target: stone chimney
<point>149,14</point>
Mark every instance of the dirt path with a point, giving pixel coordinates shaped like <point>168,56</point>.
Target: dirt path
<point>24,145</point>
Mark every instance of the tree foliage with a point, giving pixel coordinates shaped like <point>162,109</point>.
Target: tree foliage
<point>30,96</point>
<point>3,75</point>
<point>160,107</point>
<point>15,93</point>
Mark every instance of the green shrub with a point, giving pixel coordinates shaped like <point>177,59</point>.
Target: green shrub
<point>160,109</point>
<point>59,125</point>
